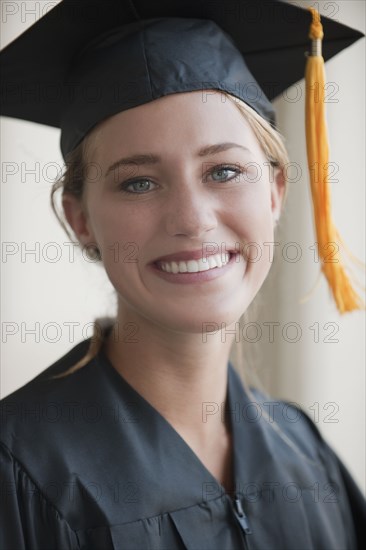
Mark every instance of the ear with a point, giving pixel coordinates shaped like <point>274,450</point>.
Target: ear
<point>278,187</point>
<point>77,219</point>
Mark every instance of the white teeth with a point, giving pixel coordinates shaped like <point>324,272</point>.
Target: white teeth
<point>211,262</point>
<point>183,267</point>
<point>203,265</point>
<point>195,266</point>
<point>192,266</point>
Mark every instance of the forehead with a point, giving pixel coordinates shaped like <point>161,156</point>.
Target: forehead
<point>188,119</point>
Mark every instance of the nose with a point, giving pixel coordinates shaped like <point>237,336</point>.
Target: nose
<point>190,211</point>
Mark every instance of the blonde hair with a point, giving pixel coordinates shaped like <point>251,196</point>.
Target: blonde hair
<point>270,139</point>
<point>72,182</point>
<point>244,357</point>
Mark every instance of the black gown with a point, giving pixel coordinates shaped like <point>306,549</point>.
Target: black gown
<point>87,462</point>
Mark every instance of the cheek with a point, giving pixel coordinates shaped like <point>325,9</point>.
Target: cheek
<point>113,222</point>
<point>123,233</point>
<point>249,216</point>
<point>120,238</point>
<point>250,212</point>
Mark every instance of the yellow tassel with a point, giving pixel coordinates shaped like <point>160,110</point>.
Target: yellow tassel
<point>328,237</point>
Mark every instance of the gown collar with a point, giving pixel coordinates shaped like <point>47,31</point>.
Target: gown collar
<point>173,459</point>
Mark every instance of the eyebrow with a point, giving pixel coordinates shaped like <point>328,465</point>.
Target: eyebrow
<point>148,158</point>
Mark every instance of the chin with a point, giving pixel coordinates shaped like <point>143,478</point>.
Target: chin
<point>198,323</point>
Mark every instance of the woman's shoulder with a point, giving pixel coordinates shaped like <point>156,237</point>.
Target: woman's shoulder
<point>55,370</point>
<point>45,384</point>
<point>283,424</point>
<point>290,420</point>
<point>43,401</point>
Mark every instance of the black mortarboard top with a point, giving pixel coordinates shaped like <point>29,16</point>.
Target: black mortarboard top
<point>86,60</point>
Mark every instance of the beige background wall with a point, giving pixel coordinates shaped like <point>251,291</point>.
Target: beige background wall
<point>326,377</point>
<point>55,293</point>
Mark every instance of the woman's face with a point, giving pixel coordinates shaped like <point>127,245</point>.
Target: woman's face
<point>173,181</point>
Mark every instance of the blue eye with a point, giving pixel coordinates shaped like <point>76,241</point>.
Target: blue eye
<point>144,185</point>
<point>137,186</point>
<point>225,173</point>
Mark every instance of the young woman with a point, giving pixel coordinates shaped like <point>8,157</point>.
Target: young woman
<point>152,441</point>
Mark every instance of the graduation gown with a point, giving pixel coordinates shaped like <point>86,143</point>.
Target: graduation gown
<point>87,462</point>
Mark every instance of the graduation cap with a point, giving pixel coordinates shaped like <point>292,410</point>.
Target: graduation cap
<point>86,60</point>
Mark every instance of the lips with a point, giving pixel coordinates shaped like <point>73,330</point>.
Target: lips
<point>200,271</point>
<point>193,264</point>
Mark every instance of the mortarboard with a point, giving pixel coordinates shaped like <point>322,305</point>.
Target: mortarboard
<point>89,59</point>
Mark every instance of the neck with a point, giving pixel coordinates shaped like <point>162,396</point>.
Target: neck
<point>183,376</point>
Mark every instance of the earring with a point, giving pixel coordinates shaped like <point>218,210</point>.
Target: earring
<point>92,252</point>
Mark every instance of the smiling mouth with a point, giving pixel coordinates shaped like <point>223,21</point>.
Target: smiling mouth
<point>195,266</point>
